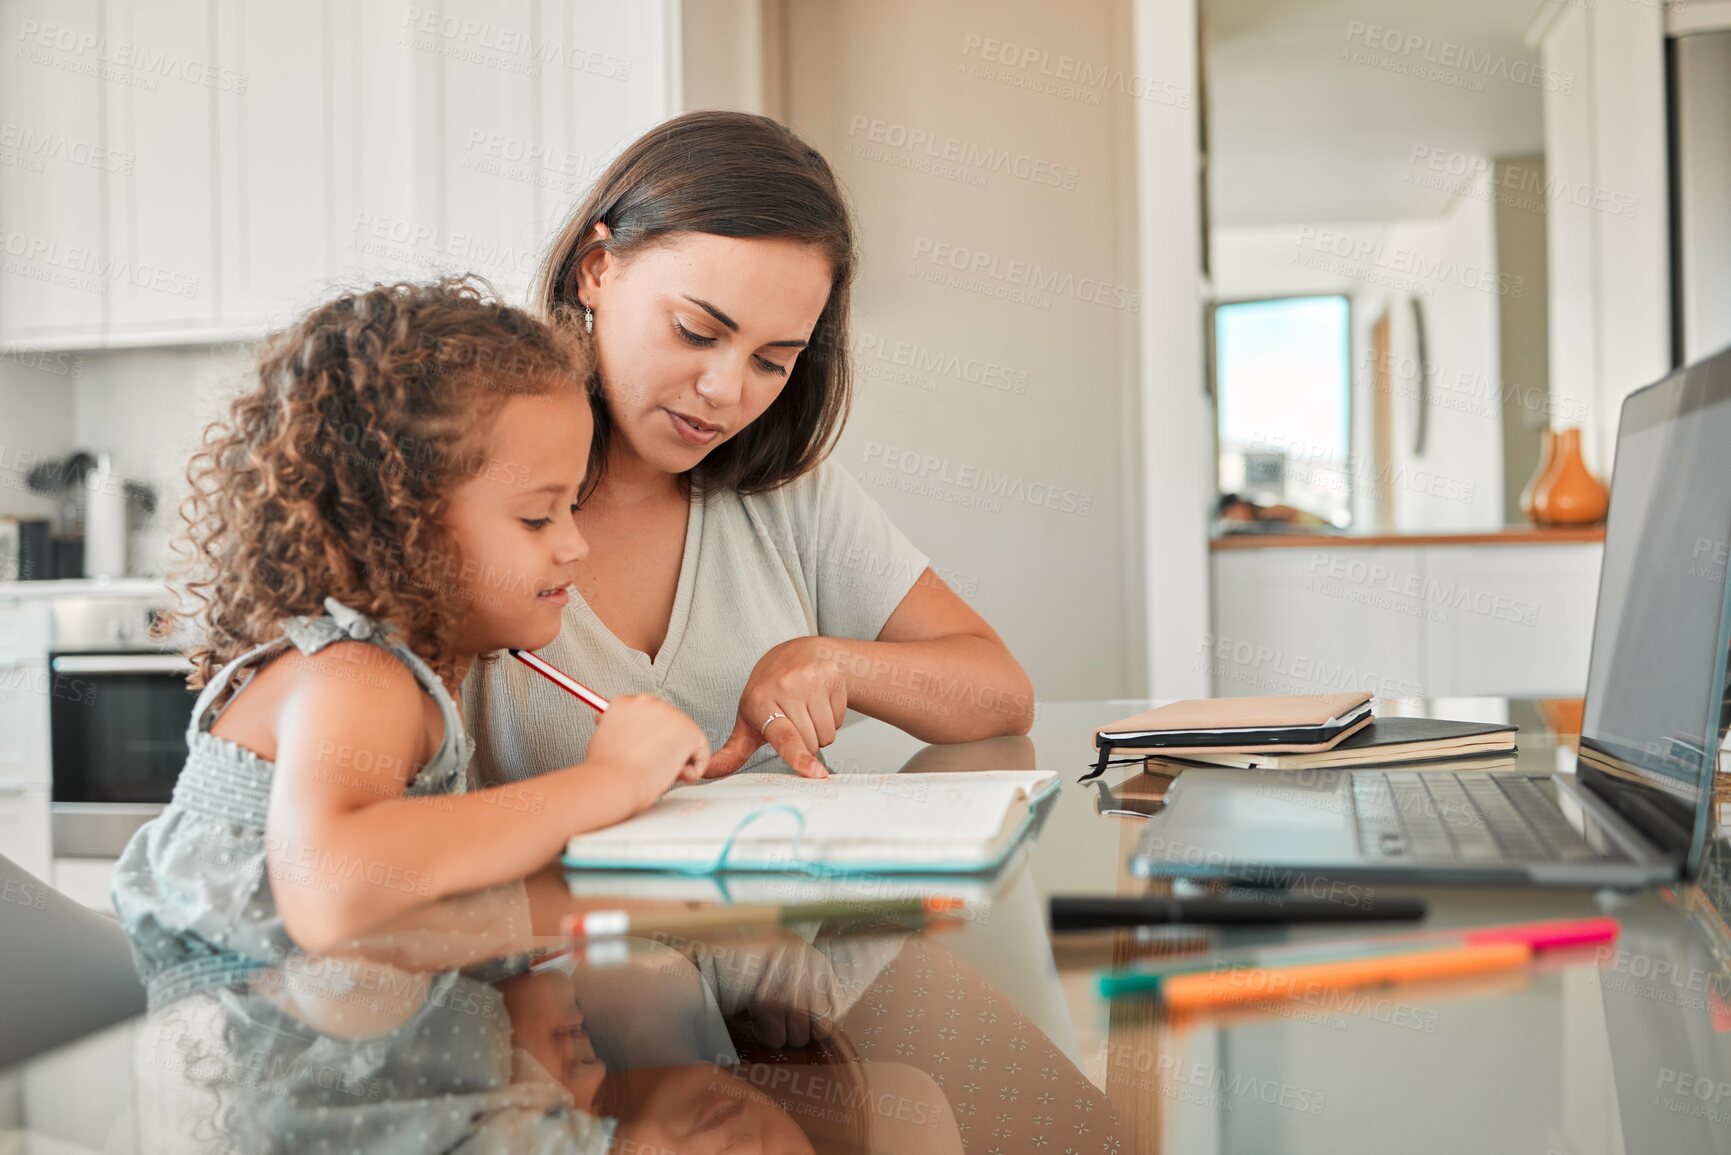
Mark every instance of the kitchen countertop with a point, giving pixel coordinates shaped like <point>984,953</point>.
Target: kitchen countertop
<point>1335,539</point>
<point>129,587</point>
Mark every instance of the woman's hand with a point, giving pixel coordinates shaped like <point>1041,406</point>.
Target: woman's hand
<point>794,700</point>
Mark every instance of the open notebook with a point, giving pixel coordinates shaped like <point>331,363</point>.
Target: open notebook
<point>889,823</point>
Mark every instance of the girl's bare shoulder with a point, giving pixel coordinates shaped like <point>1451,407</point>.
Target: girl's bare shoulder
<point>345,679</point>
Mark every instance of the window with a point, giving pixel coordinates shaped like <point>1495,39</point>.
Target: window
<point>1282,394</point>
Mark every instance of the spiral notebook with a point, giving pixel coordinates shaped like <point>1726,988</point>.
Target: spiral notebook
<point>882,823</point>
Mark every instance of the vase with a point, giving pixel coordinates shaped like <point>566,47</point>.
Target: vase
<point>1540,477</point>
<point>1569,494</point>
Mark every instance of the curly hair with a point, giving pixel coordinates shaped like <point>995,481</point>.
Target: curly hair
<point>330,475</point>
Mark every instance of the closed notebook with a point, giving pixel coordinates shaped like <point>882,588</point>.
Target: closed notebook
<point>1297,722</point>
<point>1384,741</point>
<point>1459,764</point>
<point>887,823</point>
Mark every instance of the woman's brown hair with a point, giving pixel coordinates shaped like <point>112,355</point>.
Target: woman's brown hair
<point>330,474</point>
<point>729,174</point>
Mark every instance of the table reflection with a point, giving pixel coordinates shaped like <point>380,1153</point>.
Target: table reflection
<point>473,1024</point>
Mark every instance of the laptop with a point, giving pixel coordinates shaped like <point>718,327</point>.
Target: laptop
<point>1637,809</point>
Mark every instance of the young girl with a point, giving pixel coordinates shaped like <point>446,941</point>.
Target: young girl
<point>390,501</point>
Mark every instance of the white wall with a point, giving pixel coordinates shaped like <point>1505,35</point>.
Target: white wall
<point>35,422</point>
<point>149,409</point>
<point>949,239</point>
<point>146,407</point>
<point>1704,225</point>
<point>1608,239</point>
<point>1173,456</point>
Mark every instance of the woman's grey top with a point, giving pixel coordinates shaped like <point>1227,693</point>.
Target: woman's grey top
<point>815,556</point>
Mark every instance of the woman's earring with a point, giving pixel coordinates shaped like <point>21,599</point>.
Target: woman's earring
<point>588,319</point>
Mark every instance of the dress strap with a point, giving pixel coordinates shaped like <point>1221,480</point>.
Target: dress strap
<point>341,622</point>
<point>203,716</point>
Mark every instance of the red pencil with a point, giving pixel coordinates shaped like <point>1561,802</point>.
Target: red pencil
<point>561,679</point>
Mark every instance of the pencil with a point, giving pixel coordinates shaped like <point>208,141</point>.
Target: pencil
<point>561,679</point>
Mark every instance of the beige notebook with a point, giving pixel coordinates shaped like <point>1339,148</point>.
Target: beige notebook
<point>1294,723</point>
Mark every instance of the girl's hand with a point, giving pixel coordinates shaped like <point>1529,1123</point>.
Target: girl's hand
<point>794,700</point>
<point>650,744</point>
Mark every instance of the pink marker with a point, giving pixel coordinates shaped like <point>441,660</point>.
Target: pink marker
<point>1549,935</point>
<point>561,679</point>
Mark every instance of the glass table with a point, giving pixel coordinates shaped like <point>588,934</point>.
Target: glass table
<point>474,1024</point>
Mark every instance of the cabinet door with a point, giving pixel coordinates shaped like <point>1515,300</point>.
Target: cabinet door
<point>161,109</point>
<point>25,818</point>
<point>609,73</point>
<point>86,880</point>
<point>25,687</point>
<point>487,54</point>
<point>53,171</point>
<point>24,701</point>
<point>275,162</point>
<point>1511,620</point>
<point>383,94</point>
<point>1304,621</point>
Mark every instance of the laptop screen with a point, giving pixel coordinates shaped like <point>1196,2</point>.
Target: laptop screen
<point>1655,709</point>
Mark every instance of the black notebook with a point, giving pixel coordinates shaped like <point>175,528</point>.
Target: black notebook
<point>1384,741</point>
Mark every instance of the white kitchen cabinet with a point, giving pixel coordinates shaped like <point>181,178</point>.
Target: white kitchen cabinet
<point>25,821</point>
<point>24,690</point>
<point>486,223</point>
<point>53,182</point>
<point>24,631</point>
<point>86,880</point>
<point>1512,620</point>
<point>24,694</point>
<point>1303,621</point>
<point>382,130</point>
<point>1404,621</point>
<point>271,152</point>
<point>160,240</point>
<point>274,157</point>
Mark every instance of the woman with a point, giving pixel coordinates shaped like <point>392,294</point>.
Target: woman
<point>736,571</point>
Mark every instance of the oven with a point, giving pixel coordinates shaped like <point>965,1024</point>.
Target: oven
<point>118,710</point>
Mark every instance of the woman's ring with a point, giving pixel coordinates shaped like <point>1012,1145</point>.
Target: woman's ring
<point>768,720</point>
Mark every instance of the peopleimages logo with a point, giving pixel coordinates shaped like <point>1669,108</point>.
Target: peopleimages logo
<point>1042,70</point>
<point>82,268</point>
<point>955,150</point>
<point>975,269</point>
<point>1461,60</point>
<point>1514,185</point>
<point>927,468</point>
<point>1409,261</point>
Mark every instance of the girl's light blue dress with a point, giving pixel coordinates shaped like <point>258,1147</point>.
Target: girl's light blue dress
<point>192,893</point>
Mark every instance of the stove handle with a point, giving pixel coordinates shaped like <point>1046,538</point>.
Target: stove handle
<point>121,664</point>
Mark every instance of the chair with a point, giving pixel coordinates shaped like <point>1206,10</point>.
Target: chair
<point>65,970</point>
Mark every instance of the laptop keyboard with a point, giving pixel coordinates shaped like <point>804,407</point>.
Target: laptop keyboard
<point>1465,817</point>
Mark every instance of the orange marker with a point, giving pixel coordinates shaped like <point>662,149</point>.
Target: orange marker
<point>1257,984</point>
